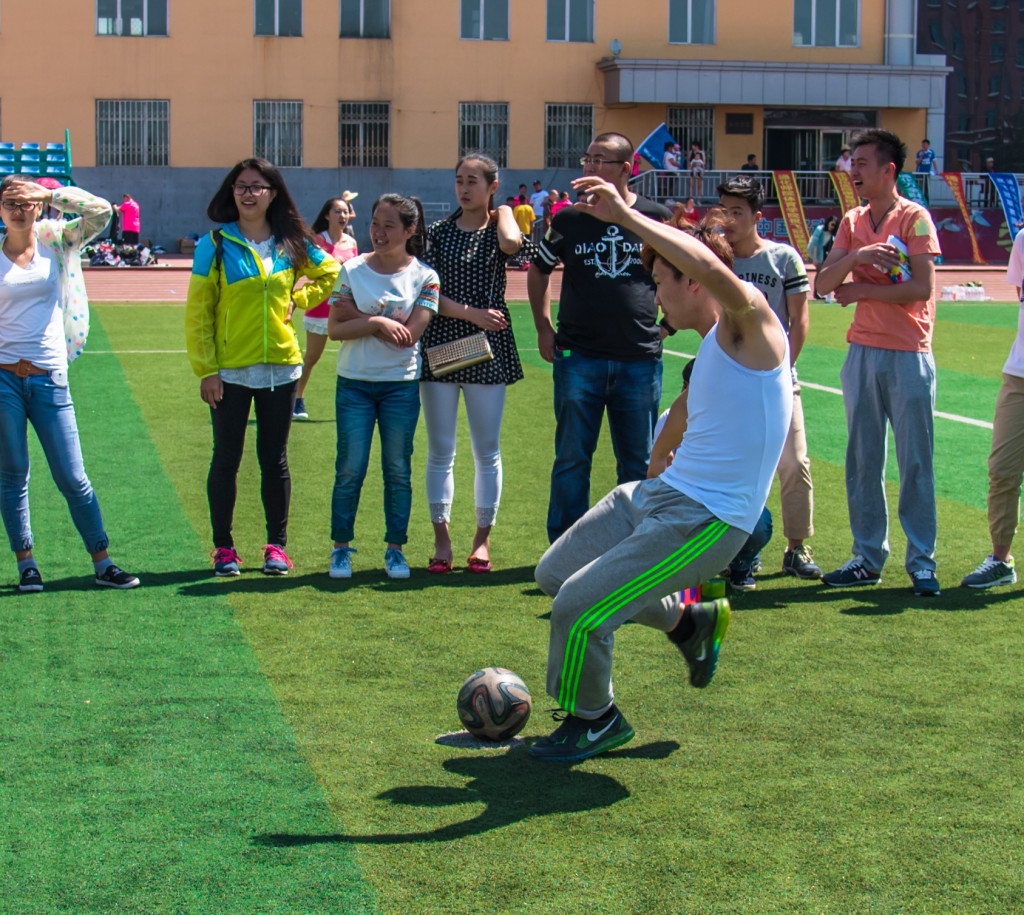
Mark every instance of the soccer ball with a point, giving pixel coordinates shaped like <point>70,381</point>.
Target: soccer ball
<point>494,703</point>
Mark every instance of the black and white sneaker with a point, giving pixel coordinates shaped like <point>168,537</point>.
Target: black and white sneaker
<point>113,577</point>
<point>580,738</point>
<point>700,649</point>
<point>31,581</point>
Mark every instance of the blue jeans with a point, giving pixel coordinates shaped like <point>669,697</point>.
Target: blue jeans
<point>37,400</point>
<point>394,406</point>
<point>756,542</point>
<point>584,388</point>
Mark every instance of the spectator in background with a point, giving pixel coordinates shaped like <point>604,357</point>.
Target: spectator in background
<point>751,164</point>
<point>696,161</point>
<point>561,203</point>
<point>991,197</point>
<point>889,373</point>
<point>537,199</point>
<point>925,158</point>
<point>690,212</point>
<point>130,223</point>
<point>524,215</point>
<point>845,161</point>
<point>820,244</point>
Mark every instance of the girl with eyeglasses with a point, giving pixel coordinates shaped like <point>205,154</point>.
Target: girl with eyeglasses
<point>330,228</point>
<point>470,250</point>
<point>44,319</point>
<point>243,348</point>
<point>380,307</point>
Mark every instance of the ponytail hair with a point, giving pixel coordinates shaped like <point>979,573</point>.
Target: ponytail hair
<point>490,170</point>
<point>410,212</point>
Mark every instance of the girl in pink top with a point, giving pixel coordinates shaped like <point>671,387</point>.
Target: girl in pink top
<point>329,227</point>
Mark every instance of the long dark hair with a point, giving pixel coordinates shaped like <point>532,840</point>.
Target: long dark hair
<point>490,169</point>
<point>288,226</point>
<point>320,223</point>
<point>410,212</point>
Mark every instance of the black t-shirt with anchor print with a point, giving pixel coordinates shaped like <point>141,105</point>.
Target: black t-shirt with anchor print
<point>606,309</point>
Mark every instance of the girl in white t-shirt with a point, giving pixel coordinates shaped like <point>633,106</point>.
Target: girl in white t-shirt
<point>381,304</point>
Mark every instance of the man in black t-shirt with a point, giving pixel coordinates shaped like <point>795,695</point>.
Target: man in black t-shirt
<point>606,352</point>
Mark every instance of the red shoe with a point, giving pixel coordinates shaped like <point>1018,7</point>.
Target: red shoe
<point>478,565</point>
<point>439,566</point>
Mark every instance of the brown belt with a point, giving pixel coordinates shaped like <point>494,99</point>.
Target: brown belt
<point>23,368</point>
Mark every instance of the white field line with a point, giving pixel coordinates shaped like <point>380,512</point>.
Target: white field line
<point>966,420</point>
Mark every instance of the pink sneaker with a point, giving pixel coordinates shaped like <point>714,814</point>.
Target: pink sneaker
<point>275,562</point>
<point>226,561</point>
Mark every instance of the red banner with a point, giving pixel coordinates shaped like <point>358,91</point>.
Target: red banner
<point>792,210</point>
<point>848,198</point>
<point>955,182</point>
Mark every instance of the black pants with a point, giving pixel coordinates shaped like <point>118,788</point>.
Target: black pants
<point>273,423</point>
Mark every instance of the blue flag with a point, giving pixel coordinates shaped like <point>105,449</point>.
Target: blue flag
<point>1009,196</point>
<point>653,148</point>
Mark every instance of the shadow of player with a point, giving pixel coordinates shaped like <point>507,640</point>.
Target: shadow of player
<point>513,786</point>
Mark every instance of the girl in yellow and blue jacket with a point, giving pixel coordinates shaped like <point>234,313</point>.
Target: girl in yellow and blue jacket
<point>243,348</point>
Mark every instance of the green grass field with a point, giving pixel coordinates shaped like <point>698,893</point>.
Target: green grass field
<point>268,745</point>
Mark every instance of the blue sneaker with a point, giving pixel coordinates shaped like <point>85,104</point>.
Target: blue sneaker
<point>275,561</point>
<point>580,738</point>
<point>226,561</point>
<point>741,578</point>
<point>299,410</point>
<point>991,572</point>
<point>925,583</point>
<point>341,562</point>
<point>395,564</point>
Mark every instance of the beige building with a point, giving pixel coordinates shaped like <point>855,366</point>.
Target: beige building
<point>161,96</point>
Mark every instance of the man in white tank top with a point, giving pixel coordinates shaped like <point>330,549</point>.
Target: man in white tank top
<point>631,554</point>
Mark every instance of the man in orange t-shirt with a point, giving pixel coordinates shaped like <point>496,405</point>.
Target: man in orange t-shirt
<point>889,372</point>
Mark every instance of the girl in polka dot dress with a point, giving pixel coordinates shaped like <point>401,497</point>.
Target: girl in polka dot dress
<point>469,251</point>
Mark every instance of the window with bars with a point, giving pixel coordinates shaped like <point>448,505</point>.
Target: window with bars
<point>483,127</point>
<point>691,21</point>
<point>568,130</point>
<point>132,131</point>
<point>826,23</point>
<point>365,18</point>
<point>484,20</point>
<point>133,18</point>
<point>570,20</point>
<point>364,134</point>
<point>690,125</point>
<point>278,18</point>
<point>277,132</point>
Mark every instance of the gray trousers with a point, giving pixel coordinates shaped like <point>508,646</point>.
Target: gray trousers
<point>882,387</point>
<point>625,559</point>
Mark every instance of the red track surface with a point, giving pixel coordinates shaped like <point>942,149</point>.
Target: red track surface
<point>169,282</point>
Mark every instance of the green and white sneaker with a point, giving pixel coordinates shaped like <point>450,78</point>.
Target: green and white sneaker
<point>990,573</point>
<point>580,738</point>
<point>700,649</point>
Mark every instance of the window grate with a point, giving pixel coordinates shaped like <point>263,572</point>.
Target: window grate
<point>132,131</point>
<point>277,132</point>
<point>693,124</point>
<point>568,130</point>
<point>364,134</point>
<point>483,128</point>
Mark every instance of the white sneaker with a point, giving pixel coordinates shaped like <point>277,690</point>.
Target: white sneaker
<point>341,562</point>
<point>395,564</point>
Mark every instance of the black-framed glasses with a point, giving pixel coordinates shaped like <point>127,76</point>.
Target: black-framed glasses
<point>597,161</point>
<point>12,205</point>
<point>257,190</point>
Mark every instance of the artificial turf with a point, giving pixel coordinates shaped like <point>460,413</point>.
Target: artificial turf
<point>269,744</point>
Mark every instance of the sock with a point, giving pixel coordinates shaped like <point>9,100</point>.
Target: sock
<point>102,565</point>
<point>29,563</point>
<point>685,627</point>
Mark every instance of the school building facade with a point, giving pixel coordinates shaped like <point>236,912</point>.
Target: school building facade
<point>162,96</point>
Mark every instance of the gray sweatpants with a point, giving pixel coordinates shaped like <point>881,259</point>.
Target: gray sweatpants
<point>880,387</point>
<point>624,559</point>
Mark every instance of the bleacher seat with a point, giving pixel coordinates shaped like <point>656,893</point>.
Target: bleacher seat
<point>34,146</point>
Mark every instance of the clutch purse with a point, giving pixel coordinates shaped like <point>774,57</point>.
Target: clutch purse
<point>446,358</point>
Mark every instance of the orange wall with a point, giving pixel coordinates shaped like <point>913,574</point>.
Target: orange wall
<point>211,67</point>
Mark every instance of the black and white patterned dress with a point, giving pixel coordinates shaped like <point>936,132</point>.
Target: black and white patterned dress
<point>472,271</point>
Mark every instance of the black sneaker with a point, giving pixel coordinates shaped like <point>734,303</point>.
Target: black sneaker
<point>741,578</point>
<point>852,572</point>
<point>580,738</point>
<point>113,577</point>
<point>711,620</point>
<point>299,410</point>
<point>31,581</point>
<point>800,562</point>
<point>925,583</point>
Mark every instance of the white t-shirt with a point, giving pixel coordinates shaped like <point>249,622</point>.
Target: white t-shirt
<point>537,199</point>
<point>393,295</point>
<point>728,471</point>
<point>844,165</point>
<point>31,320</point>
<point>1015,276</point>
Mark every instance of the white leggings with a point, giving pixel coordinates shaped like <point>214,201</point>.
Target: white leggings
<point>485,404</point>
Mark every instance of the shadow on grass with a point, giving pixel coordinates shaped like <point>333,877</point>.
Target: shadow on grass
<point>254,581</point>
<point>86,581</point>
<point>868,600</point>
<point>514,786</point>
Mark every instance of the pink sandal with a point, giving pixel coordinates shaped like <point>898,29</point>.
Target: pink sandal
<point>439,566</point>
<point>478,565</point>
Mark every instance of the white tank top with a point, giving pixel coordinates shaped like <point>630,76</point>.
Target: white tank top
<point>738,420</point>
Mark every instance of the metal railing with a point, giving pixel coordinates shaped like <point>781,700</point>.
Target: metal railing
<point>816,188</point>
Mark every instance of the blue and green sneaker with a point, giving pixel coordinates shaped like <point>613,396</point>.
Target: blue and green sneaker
<point>580,738</point>
<point>700,647</point>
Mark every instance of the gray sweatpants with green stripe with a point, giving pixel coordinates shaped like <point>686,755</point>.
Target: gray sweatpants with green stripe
<point>625,559</point>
